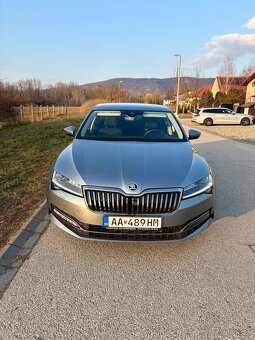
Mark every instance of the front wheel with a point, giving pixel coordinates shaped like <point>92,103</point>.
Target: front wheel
<point>208,122</point>
<point>245,121</point>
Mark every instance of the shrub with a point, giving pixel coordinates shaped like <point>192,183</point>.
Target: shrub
<point>9,114</point>
<point>89,104</point>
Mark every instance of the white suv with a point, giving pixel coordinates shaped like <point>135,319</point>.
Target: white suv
<point>220,115</point>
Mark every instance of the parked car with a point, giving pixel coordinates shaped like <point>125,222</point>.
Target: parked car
<point>219,115</point>
<point>131,174</point>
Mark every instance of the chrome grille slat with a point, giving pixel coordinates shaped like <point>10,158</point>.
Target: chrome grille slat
<point>143,203</point>
<point>152,199</point>
<point>113,203</point>
<point>161,202</point>
<point>166,201</point>
<point>99,199</point>
<point>116,202</point>
<point>103,200</point>
<point>122,203</point>
<point>175,202</point>
<point>170,202</point>
<point>156,204</point>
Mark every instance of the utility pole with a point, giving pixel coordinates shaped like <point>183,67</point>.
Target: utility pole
<point>119,89</point>
<point>178,83</point>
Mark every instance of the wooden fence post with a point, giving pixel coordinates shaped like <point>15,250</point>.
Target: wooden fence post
<point>66,109</point>
<point>53,111</point>
<point>41,113</point>
<point>62,109</point>
<point>58,110</point>
<point>32,114</point>
<point>21,111</point>
<point>47,110</point>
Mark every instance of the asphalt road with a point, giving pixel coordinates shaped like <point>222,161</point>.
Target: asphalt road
<point>200,289</point>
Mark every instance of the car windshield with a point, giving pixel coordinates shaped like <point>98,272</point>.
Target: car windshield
<point>132,126</point>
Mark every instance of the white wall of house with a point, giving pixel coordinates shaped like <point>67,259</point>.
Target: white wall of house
<point>215,87</point>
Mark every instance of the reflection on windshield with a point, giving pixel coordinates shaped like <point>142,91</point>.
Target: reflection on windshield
<point>131,125</point>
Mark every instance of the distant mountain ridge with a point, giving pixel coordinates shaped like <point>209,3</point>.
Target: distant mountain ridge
<point>150,85</point>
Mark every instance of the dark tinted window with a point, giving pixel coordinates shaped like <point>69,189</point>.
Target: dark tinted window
<point>209,111</point>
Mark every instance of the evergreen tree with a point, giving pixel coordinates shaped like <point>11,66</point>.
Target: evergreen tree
<point>220,98</point>
<point>206,99</point>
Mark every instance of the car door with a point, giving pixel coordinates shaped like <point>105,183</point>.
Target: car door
<point>217,116</point>
<point>207,113</point>
<point>229,117</point>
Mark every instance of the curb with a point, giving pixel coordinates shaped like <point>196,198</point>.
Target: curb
<point>21,244</point>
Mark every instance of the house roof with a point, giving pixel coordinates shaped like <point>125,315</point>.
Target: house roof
<point>234,83</point>
<point>248,104</point>
<point>248,80</point>
<point>198,93</point>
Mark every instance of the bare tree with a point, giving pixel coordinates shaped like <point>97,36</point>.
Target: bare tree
<point>248,69</point>
<point>227,71</point>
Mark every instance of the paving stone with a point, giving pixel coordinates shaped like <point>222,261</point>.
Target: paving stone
<point>20,239</point>
<point>31,241</point>
<point>35,226</point>
<point>2,269</point>
<point>42,214</point>
<point>9,256</point>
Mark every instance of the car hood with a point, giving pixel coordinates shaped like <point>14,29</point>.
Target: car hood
<point>117,164</point>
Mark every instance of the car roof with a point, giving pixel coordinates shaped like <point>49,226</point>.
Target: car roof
<point>132,106</point>
<point>214,108</point>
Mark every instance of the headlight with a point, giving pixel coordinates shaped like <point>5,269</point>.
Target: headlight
<point>202,186</point>
<point>60,181</point>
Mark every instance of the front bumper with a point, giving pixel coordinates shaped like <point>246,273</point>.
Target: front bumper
<point>71,214</point>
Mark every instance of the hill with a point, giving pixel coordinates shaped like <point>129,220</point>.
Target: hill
<point>150,85</point>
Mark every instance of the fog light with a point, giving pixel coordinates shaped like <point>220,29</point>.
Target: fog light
<point>64,217</point>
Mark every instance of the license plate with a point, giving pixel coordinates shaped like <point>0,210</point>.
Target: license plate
<point>130,222</point>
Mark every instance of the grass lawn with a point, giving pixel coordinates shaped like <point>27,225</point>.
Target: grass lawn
<point>27,153</point>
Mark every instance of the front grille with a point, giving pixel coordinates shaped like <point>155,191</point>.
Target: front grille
<point>97,232</point>
<point>149,203</point>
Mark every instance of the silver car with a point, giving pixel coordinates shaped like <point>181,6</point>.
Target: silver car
<point>131,174</point>
<point>220,115</point>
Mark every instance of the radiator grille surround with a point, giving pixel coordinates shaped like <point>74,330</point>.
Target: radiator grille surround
<point>147,203</point>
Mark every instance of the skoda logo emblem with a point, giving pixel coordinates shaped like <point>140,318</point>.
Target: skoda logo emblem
<point>132,186</point>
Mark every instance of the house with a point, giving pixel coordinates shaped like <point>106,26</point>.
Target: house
<point>250,88</point>
<point>247,108</point>
<point>194,97</point>
<point>224,84</point>
<point>197,94</point>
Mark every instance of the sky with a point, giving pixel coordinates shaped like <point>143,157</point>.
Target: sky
<point>87,41</point>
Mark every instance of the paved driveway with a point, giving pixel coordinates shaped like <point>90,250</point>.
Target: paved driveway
<point>201,289</point>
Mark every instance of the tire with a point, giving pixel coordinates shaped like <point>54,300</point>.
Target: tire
<point>208,122</point>
<point>245,122</point>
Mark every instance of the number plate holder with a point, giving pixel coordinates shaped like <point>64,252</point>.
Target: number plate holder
<point>132,222</point>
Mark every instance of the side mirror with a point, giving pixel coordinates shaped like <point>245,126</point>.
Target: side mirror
<point>194,134</point>
<point>70,130</point>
